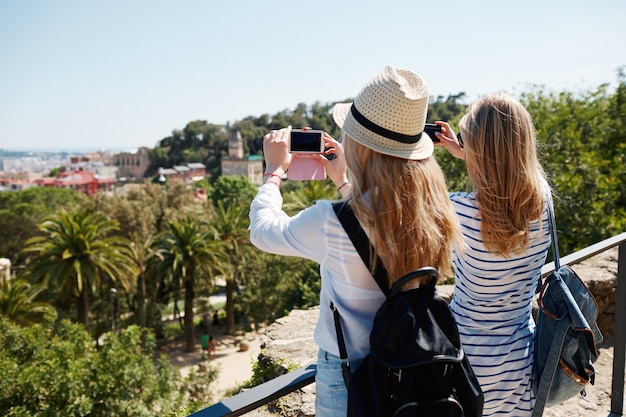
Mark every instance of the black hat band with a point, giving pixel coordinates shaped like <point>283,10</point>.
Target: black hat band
<point>379,130</point>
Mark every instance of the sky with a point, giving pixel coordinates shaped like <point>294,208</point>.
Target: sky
<point>119,74</point>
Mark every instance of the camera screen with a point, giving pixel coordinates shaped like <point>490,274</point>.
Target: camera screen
<point>306,141</point>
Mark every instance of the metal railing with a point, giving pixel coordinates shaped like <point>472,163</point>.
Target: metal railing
<point>262,394</point>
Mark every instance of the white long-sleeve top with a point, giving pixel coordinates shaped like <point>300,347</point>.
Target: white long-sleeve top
<point>315,233</point>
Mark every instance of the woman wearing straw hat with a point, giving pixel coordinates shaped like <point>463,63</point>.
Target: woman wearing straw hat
<point>399,196</point>
<point>504,223</point>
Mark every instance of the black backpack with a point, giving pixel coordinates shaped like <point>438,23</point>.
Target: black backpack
<point>416,366</point>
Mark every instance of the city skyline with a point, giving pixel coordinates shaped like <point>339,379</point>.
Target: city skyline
<point>118,75</point>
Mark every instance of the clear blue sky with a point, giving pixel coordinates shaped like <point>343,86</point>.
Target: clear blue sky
<point>112,73</point>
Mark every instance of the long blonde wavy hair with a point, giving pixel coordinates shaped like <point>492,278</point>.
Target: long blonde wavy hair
<point>502,164</point>
<point>405,205</point>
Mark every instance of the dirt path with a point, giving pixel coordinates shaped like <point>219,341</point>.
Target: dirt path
<point>233,362</point>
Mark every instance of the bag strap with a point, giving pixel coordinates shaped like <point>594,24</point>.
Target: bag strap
<point>343,353</point>
<point>363,246</point>
<point>361,243</point>
<point>427,271</point>
<point>555,239</point>
<point>554,354</point>
<point>552,361</point>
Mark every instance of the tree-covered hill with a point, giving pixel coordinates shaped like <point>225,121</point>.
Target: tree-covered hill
<point>111,262</point>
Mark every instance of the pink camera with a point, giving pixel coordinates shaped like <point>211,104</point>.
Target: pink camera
<point>303,145</point>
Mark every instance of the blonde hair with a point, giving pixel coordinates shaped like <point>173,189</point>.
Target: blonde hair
<point>501,158</point>
<point>407,210</point>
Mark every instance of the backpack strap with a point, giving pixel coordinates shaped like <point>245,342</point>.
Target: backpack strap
<point>343,353</point>
<point>552,363</point>
<point>554,242</point>
<point>558,340</point>
<point>364,248</point>
<point>361,243</point>
<point>427,271</point>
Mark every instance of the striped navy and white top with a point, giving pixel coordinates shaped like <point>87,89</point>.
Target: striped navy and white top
<point>492,307</point>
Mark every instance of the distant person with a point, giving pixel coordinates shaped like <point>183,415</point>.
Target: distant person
<point>211,347</point>
<point>204,341</point>
<point>216,322</point>
<point>504,221</point>
<point>385,171</point>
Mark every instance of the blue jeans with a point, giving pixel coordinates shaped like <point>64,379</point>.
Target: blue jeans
<point>331,395</point>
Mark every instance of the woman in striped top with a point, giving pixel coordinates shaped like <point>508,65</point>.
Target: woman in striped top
<point>504,223</point>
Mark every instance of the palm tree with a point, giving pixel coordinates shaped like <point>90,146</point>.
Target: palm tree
<point>141,251</point>
<point>17,302</point>
<point>188,251</point>
<point>75,252</point>
<point>232,227</point>
<point>305,193</point>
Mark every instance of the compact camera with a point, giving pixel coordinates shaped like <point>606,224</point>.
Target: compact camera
<point>430,129</point>
<point>303,144</point>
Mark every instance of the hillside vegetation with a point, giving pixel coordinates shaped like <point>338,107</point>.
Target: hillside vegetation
<point>94,278</point>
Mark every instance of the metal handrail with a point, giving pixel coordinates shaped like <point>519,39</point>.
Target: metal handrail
<point>262,394</point>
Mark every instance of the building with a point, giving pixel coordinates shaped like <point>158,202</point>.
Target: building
<point>236,164</point>
<point>79,181</point>
<point>132,165</point>
<point>100,167</point>
<point>192,172</point>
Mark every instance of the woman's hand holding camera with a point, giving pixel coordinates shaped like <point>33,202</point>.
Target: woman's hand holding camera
<point>278,157</point>
<point>449,140</point>
<point>276,151</point>
<point>334,162</point>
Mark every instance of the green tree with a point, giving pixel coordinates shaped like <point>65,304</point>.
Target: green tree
<point>275,285</point>
<point>302,194</point>
<point>450,110</point>
<point>75,253</point>
<point>230,190</point>
<point>141,252</point>
<point>50,371</point>
<point>232,228</point>
<point>582,149</point>
<point>231,198</point>
<point>18,302</point>
<point>22,211</point>
<point>187,253</point>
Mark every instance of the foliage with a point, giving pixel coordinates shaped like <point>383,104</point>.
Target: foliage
<point>75,253</point>
<point>232,191</point>
<point>450,110</point>
<point>275,285</point>
<point>583,151</point>
<point>18,302</point>
<point>159,243</point>
<point>197,384</point>
<point>204,142</point>
<point>301,194</point>
<point>60,371</point>
<point>22,211</point>
<point>199,141</point>
<point>268,368</point>
<point>581,138</point>
<point>186,253</point>
<point>231,225</point>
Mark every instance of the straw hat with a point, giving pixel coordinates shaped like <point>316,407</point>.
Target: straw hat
<point>388,115</point>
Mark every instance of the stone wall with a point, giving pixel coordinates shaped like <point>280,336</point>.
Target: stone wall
<point>289,340</point>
